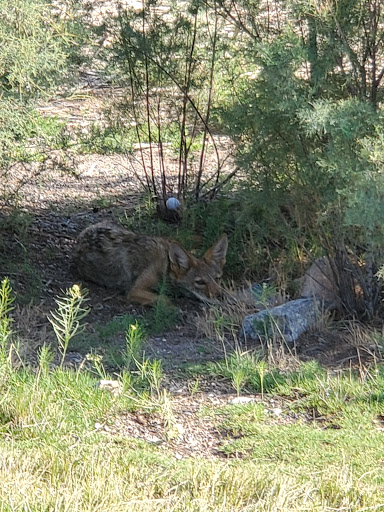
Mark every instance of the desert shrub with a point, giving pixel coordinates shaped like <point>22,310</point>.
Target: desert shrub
<point>39,49</point>
<point>37,40</point>
<point>167,65</point>
<point>308,127</point>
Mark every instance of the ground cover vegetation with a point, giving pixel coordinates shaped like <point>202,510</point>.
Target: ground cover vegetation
<point>265,120</point>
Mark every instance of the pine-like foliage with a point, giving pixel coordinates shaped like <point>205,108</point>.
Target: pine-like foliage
<point>309,126</point>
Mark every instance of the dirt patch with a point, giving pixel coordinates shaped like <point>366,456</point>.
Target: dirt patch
<point>195,424</point>
<point>333,349</point>
<point>182,429</point>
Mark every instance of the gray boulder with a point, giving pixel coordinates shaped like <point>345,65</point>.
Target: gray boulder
<point>288,320</point>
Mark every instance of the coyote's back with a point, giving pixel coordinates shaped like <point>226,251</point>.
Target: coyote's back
<point>122,260</point>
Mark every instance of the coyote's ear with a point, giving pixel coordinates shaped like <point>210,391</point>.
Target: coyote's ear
<point>218,251</point>
<point>179,258</point>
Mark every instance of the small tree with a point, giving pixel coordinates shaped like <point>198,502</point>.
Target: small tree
<point>168,62</point>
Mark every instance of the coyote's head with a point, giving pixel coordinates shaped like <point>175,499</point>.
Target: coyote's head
<point>199,276</point>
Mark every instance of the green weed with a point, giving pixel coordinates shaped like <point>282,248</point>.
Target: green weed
<point>163,315</point>
<point>118,325</point>
<point>6,301</point>
<point>97,364</point>
<point>135,338</point>
<point>46,356</point>
<point>245,370</point>
<point>67,319</point>
<point>6,331</point>
<point>152,372</point>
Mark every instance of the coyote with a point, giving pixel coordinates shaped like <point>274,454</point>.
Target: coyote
<point>116,258</point>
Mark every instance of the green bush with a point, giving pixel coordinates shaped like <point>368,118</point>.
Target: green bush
<point>308,140</point>
<point>35,44</point>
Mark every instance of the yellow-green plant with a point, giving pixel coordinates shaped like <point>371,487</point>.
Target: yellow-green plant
<point>262,368</point>
<point>66,319</point>
<point>46,356</point>
<point>97,363</point>
<point>6,307</point>
<point>134,338</point>
<point>238,366</point>
<point>239,378</point>
<point>173,428</point>
<point>194,387</point>
<point>155,375</point>
<point>6,300</point>
<point>152,371</point>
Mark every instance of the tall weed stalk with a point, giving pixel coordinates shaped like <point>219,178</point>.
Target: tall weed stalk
<point>6,301</point>
<point>67,319</point>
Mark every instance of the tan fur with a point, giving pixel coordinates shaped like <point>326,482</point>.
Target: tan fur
<point>122,260</point>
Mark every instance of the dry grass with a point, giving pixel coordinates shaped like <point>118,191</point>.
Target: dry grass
<point>106,477</point>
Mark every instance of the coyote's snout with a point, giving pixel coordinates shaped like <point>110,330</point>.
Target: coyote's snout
<point>116,258</point>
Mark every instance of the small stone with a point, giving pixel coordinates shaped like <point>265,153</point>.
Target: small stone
<point>174,388</point>
<point>113,386</point>
<point>242,400</point>
<point>276,411</point>
<point>74,357</point>
<point>180,429</point>
<point>98,426</point>
<point>154,439</point>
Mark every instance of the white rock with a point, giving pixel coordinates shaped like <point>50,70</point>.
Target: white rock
<point>242,400</point>
<point>154,439</point>
<point>113,386</point>
<point>180,429</point>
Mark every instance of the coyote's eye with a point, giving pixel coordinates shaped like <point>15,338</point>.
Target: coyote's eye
<point>199,282</point>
